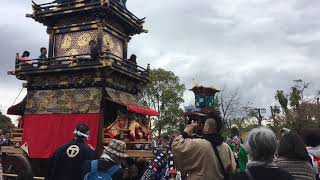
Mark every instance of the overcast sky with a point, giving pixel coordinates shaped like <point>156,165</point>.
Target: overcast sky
<point>258,46</point>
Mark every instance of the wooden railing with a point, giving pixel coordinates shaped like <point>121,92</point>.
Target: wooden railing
<point>133,153</point>
<point>124,136</point>
<point>126,65</point>
<point>11,150</point>
<point>80,60</point>
<point>50,61</point>
<point>53,6</point>
<point>16,137</point>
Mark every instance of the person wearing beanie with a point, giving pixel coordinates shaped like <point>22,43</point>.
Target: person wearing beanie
<point>67,161</point>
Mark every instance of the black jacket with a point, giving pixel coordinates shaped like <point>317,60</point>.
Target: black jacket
<point>94,53</point>
<point>103,165</point>
<point>64,167</point>
<point>214,138</point>
<point>263,173</point>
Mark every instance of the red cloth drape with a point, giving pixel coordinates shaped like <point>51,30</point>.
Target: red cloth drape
<point>142,110</point>
<point>44,133</point>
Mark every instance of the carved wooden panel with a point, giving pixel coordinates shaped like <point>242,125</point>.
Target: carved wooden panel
<point>65,78</point>
<point>124,81</point>
<point>74,43</point>
<point>122,97</point>
<point>113,43</point>
<point>64,101</point>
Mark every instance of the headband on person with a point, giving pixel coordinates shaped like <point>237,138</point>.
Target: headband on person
<point>80,134</point>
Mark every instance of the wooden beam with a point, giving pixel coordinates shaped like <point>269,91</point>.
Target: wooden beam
<point>51,41</point>
<point>63,11</point>
<point>125,48</point>
<point>76,29</point>
<point>110,29</point>
<point>130,74</point>
<point>75,25</point>
<point>59,69</point>
<point>140,153</point>
<point>128,141</point>
<point>100,36</point>
<point>59,7</point>
<point>11,150</point>
<point>15,175</point>
<point>16,139</point>
<point>18,130</point>
<point>17,134</point>
<point>128,20</point>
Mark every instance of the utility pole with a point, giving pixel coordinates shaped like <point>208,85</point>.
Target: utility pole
<point>259,116</point>
<point>258,112</point>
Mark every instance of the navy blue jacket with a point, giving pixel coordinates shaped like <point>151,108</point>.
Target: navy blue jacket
<point>66,167</point>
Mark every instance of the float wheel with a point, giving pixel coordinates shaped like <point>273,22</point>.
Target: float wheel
<point>15,164</point>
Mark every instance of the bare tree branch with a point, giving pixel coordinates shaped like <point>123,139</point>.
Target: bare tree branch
<point>230,105</point>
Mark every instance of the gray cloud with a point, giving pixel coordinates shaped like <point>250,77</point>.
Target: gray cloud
<point>258,46</point>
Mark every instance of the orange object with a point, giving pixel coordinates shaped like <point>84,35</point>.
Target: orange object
<point>132,128</point>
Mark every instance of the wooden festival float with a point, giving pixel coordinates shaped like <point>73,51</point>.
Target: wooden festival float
<point>204,103</point>
<point>69,87</point>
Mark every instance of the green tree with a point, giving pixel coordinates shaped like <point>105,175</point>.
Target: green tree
<point>164,93</point>
<point>5,123</point>
<point>282,99</point>
<point>303,111</point>
<point>295,97</point>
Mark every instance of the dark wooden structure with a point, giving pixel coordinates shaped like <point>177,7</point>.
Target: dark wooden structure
<point>112,81</point>
<point>204,98</point>
<point>204,103</point>
<point>70,27</point>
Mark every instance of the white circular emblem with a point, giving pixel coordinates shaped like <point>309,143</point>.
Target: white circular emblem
<point>73,151</point>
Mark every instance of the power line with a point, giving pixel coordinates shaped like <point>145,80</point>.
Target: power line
<point>17,96</point>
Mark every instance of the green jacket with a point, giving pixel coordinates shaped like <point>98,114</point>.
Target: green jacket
<point>242,157</point>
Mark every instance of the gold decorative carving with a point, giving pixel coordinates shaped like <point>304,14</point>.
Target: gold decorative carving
<point>64,101</point>
<point>107,40</point>
<point>74,40</point>
<point>73,52</point>
<point>66,42</point>
<point>118,51</point>
<point>114,44</point>
<point>84,39</point>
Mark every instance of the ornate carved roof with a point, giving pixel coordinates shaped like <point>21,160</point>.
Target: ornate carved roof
<point>201,90</point>
<point>50,13</point>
